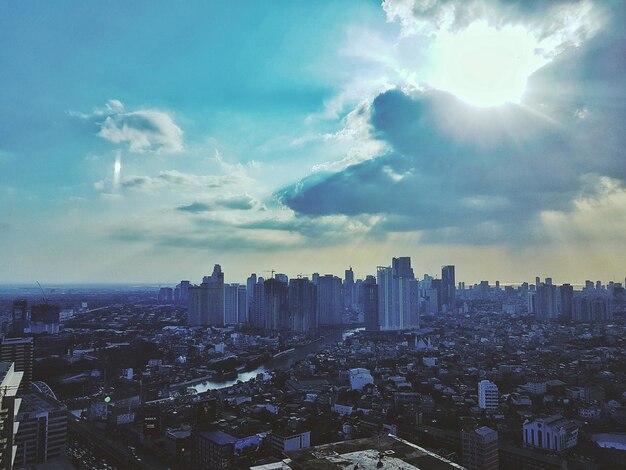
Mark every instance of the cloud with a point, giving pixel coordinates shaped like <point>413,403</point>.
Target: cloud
<point>143,131</point>
<point>556,24</point>
<point>172,179</point>
<point>240,202</point>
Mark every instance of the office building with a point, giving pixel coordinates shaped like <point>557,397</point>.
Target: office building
<point>488,395</point>
<point>44,318</point>
<point>20,352</point>
<point>9,408</point>
<point>42,434</point>
<point>480,448</point>
<point>552,433</point>
<point>214,449</point>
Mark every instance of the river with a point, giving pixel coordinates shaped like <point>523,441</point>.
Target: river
<point>283,362</point>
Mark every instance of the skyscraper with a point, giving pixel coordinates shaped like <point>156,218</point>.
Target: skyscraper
<point>397,296</point>
<point>566,292</point>
<point>546,302</point>
<point>448,291</point>
<point>250,282</point>
<point>9,407</point>
<point>206,301</point>
<point>235,304</point>
<point>329,304</point>
<point>302,306</point>
<point>370,303</point>
<point>277,311</point>
<point>348,289</point>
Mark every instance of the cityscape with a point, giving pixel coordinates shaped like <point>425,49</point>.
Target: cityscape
<point>313,235</point>
<point>286,372</point>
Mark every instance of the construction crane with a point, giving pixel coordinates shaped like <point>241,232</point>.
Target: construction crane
<point>270,271</point>
<point>43,293</point>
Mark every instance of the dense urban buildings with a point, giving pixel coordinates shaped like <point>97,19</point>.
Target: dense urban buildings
<point>488,375</point>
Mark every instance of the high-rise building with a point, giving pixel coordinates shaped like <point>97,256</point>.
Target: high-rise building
<point>566,292</point>
<point>398,296</point>
<point>42,434</point>
<point>206,301</point>
<point>258,305</point>
<point>302,306</point>
<point>250,282</point>
<point>277,310</point>
<point>9,407</point>
<point>44,318</point>
<point>182,292</point>
<point>19,316</point>
<point>448,291</point>
<point>20,352</point>
<point>480,448</point>
<point>235,304</point>
<point>370,303</point>
<point>348,289</point>
<point>546,302</point>
<point>329,304</point>
<point>488,395</point>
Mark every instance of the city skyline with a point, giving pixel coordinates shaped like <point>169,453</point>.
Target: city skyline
<point>141,143</point>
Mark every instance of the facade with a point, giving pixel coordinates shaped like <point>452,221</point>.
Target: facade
<point>552,433</point>
<point>277,310</point>
<point>359,378</point>
<point>488,395</point>
<point>329,303</point>
<point>20,352</point>
<point>480,448</point>
<point>398,306</point>
<point>289,441</point>
<point>19,316</point>
<point>9,408</point>
<point>448,290</point>
<point>546,301</point>
<point>370,303</point>
<point>566,292</point>
<point>206,301</point>
<point>258,305</point>
<point>235,304</point>
<point>42,434</point>
<point>214,450</point>
<point>302,306</point>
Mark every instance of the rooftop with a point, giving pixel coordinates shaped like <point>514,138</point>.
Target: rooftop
<point>393,452</point>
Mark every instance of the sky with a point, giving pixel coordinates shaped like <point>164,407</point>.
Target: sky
<point>145,141</point>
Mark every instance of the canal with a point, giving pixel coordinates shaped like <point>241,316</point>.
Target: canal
<point>283,362</point>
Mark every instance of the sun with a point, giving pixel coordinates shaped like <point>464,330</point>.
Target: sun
<point>485,66</point>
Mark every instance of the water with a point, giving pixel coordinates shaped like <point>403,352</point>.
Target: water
<point>283,362</point>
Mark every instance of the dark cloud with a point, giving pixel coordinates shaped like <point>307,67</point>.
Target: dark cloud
<point>471,175</point>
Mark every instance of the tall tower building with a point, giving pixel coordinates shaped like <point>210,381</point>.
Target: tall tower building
<point>250,282</point>
<point>277,311</point>
<point>448,291</point>
<point>235,304</point>
<point>329,304</point>
<point>20,352</point>
<point>546,302</point>
<point>370,303</point>
<point>398,296</point>
<point>206,301</point>
<point>348,289</point>
<point>566,292</point>
<point>480,448</point>
<point>258,306</point>
<point>302,306</point>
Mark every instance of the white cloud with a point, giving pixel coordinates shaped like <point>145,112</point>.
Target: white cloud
<point>144,130</point>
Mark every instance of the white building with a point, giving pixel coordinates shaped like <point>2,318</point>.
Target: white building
<point>553,433</point>
<point>488,396</point>
<point>359,378</point>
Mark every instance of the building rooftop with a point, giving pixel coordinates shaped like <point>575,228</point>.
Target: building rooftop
<point>37,403</point>
<point>393,452</point>
<point>218,437</point>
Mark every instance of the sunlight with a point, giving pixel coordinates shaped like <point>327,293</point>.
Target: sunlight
<point>486,66</point>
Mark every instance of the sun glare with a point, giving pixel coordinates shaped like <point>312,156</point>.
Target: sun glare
<point>484,65</point>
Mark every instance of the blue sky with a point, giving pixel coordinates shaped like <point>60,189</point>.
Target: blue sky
<point>145,141</point>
